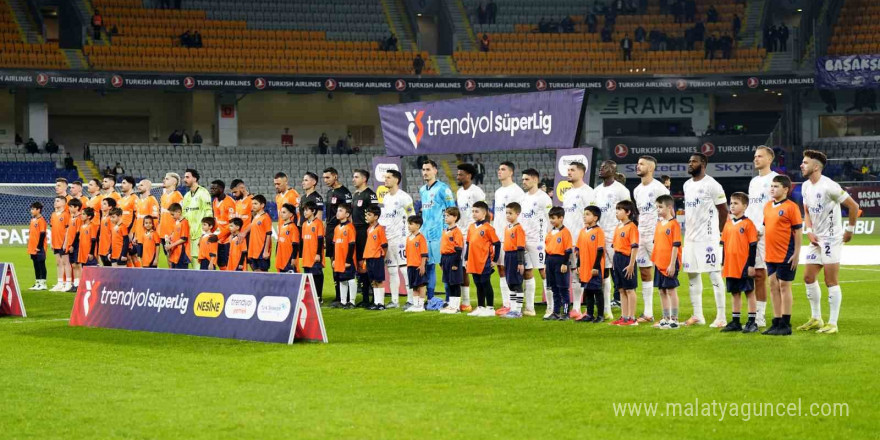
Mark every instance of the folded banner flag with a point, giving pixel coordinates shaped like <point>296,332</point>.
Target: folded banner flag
<point>10,296</point>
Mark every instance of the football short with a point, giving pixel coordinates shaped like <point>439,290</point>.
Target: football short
<point>203,264</point>
<point>376,269</point>
<point>555,278</point>
<point>259,264</point>
<point>646,248</point>
<point>452,277</point>
<point>701,256</point>
<point>222,255</point>
<point>619,273</point>
<point>39,256</point>
<point>92,262</point>
<point>535,256</point>
<point>415,278</point>
<point>827,252</point>
<point>759,254</point>
<point>512,276</point>
<point>396,255</point>
<point>74,251</point>
<point>782,271</point>
<point>59,252</point>
<point>106,261</point>
<point>346,275</point>
<point>740,285</point>
<point>595,283</point>
<point>664,282</point>
<point>183,263</point>
<point>136,250</point>
<point>609,251</point>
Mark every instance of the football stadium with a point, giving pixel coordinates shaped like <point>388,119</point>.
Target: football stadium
<point>437,218</point>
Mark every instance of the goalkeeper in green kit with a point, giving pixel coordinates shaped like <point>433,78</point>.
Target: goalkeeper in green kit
<point>196,205</point>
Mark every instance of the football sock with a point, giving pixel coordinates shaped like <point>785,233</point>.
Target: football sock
<point>735,317</point>
<point>352,290</point>
<point>648,297</point>
<point>834,298</point>
<point>505,292</point>
<point>752,317</point>
<point>814,295</point>
<point>466,294</point>
<point>695,291</point>
<point>786,320</point>
<point>530,287</point>
<point>591,301</point>
<point>393,283</point>
<point>606,292</point>
<point>343,292</point>
<point>718,289</point>
<point>379,295</point>
<point>761,308</point>
<point>517,304</point>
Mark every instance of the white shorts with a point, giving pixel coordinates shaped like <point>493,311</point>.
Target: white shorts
<point>828,251</point>
<point>396,255</point>
<point>759,254</point>
<point>701,257</point>
<point>609,252</point>
<point>646,248</point>
<point>535,256</point>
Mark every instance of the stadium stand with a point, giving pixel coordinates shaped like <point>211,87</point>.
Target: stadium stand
<point>856,29</point>
<point>18,54</point>
<point>16,166</point>
<point>856,152</point>
<point>251,41</point>
<point>518,48</point>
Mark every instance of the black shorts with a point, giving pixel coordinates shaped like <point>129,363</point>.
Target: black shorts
<point>619,273</point>
<point>328,242</point>
<point>39,256</point>
<point>416,279</point>
<point>259,264</point>
<point>376,269</point>
<point>137,250</point>
<point>452,277</point>
<point>222,255</point>
<point>486,275</point>
<point>118,261</point>
<point>740,285</point>
<point>74,251</point>
<point>595,283</point>
<point>782,270</point>
<point>512,275</point>
<point>346,275</point>
<point>106,261</point>
<point>58,251</point>
<point>555,278</point>
<point>92,262</point>
<point>203,264</point>
<point>664,282</point>
<point>182,263</point>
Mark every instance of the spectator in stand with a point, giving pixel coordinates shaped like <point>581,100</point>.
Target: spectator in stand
<point>341,147</point>
<point>114,31</point>
<point>491,11</point>
<point>783,37</point>
<point>481,171</point>
<point>51,147</point>
<point>699,31</point>
<point>484,43</point>
<point>606,34</point>
<point>18,139</point>
<point>678,11</point>
<point>118,170</point>
<point>174,138</point>
<point>690,10</point>
<point>737,26</point>
<point>481,13</point>
<point>726,43</point>
<point>419,64</point>
<point>349,143</point>
<point>770,38</point>
<point>390,43</point>
<point>197,138</point>
<point>610,18</point>
<point>591,21</point>
<point>108,171</point>
<point>31,147</point>
<point>710,45</point>
<point>97,24</point>
<point>323,143</point>
<point>566,25</point>
<point>197,39</point>
<point>543,26</point>
<point>626,44</point>
<point>640,34</point>
<point>712,15</point>
<point>186,39</point>
<point>68,163</point>
<point>184,138</point>
<point>286,138</point>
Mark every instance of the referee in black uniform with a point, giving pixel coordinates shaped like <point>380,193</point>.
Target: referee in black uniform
<point>363,197</point>
<point>337,195</point>
<point>310,186</point>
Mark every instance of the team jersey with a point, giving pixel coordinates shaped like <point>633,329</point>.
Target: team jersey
<point>503,196</point>
<point>335,197</point>
<point>224,210</point>
<point>435,200</point>
<point>626,238</point>
<point>237,253</point>
<point>88,242</point>
<point>452,241</point>
<point>127,205</point>
<point>574,201</point>
<point>759,195</point>
<point>289,196</point>
<point>196,206</point>
<point>144,206</point>
<point>312,241</point>
<point>95,203</point>
<point>738,235</point>
<point>166,222</point>
<point>118,241</point>
<point>181,232</point>
<point>700,212</point>
<point>310,197</point>
<point>559,241</point>
<point>113,195</point>
<point>261,233</point>
<point>396,208</point>
<point>781,222</point>
<point>515,238</point>
<point>37,236</point>
<point>645,197</point>
<point>590,240</point>
<point>207,250</point>
<point>606,197</point>
<point>243,210</point>
<point>667,235</point>
<point>343,246</point>
<point>822,201</point>
<point>360,200</point>
<point>73,226</point>
<point>377,243</point>
<point>287,248</point>
<point>533,218</point>
<point>416,250</point>
<point>465,199</point>
<point>481,239</point>
<point>59,221</point>
<point>82,199</point>
<point>150,245</point>
<point>105,236</point>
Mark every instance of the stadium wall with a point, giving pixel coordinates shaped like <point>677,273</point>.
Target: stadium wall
<point>7,118</point>
<point>602,106</point>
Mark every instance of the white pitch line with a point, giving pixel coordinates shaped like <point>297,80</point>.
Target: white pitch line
<point>26,320</point>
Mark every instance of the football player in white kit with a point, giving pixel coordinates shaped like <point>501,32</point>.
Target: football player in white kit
<point>822,221</point>
<point>705,213</point>
<point>536,205</point>
<point>508,192</point>
<point>465,197</point>
<point>606,196</point>
<point>397,206</point>
<point>645,196</point>
<point>759,195</point>
<point>574,201</point>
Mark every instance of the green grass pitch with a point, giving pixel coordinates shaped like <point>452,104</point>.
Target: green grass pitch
<point>394,375</point>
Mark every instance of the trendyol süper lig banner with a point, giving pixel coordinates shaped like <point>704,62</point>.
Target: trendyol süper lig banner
<point>492,123</point>
<point>564,158</point>
<point>236,305</point>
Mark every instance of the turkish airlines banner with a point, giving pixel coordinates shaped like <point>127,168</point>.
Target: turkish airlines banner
<point>677,150</point>
<point>236,305</point>
<point>492,123</point>
<point>564,158</point>
<point>848,72</point>
<point>11,303</point>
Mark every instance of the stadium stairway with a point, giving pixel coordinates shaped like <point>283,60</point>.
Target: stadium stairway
<point>394,13</point>
<point>87,170</point>
<point>779,62</point>
<point>752,23</point>
<point>464,34</point>
<point>76,59</point>
<point>444,65</point>
<point>25,22</point>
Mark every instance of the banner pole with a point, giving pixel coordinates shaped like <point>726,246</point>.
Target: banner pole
<point>581,117</point>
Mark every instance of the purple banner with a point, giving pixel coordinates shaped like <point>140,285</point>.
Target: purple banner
<point>564,158</point>
<point>381,164</point>
<point>848,72</point>
<point>492,123</point>
<point>236,305</point>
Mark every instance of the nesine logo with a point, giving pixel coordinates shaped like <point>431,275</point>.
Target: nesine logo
<point>208,305</point>
<point>415,121</point>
